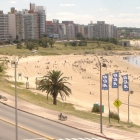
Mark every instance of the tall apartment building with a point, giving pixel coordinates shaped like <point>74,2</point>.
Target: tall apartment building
<point>12,23</point>
<point>102,30</point>
<point>53,28</point>
<point>25,24</point>
<point>90,30</point>
<point>19,18</point>
<point>42,19</point>
<point>70,29</point>
<point>79,29</point>
<point>62,31</point>
<point>70,32</point>
<point>49,28</point>
<point>4,27</point>
<point>86,31</point>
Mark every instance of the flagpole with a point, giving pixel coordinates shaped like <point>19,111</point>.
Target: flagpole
<point>108,99</point>
<point>118,99</point>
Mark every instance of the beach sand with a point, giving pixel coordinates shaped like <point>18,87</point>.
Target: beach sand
<point>84,76</point>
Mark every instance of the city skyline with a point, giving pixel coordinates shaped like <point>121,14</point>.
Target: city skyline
<point>120,13</point>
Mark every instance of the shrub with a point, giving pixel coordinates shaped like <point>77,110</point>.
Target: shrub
<point>95,109</point>
<point>1,68</point>
<point>114,115</point>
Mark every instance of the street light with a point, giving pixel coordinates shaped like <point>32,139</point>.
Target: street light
<point>130,92</point>
<point>16,116</point>
<point>100,93</point>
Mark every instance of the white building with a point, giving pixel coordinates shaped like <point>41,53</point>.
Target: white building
<point>90,30</point>
<point>4,27</point>
<point>42,19</point>
<point>12,25</point>
<point>70,31</point>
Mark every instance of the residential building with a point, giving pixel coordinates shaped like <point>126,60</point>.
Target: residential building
<point>49,28</point>
<point>102,30</point>
<point>70,29</point>
<point>90,30</point>
<point>42,19</point>
<point>12,24</point>
<point>62,31</point>
<point>4,27</point>
<point>70,32</point>
<point>86,31</point>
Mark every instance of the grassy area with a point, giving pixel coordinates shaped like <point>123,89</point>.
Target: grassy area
<point>60,48</point>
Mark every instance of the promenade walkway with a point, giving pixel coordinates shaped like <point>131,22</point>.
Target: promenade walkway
<point>81,124</point>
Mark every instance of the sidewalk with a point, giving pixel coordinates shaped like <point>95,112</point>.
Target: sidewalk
<point>81,124</point>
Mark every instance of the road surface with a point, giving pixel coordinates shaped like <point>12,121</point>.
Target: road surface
<point>43,126</point>
<point>7,132</point>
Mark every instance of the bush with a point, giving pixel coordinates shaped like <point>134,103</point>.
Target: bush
<point>1,68</point>
<point>95,109</point>
<point>114,115</point>
<point>74,43</point>
<point>65,44</point>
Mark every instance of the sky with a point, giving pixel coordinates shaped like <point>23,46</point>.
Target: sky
<point>121,13</point>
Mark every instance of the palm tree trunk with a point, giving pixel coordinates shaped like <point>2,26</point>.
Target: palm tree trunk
<point>54,100</point>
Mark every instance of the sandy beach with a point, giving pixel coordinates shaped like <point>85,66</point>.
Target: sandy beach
<point>84,76</point>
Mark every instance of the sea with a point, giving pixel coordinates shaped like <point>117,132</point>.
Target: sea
<point>135,60</point>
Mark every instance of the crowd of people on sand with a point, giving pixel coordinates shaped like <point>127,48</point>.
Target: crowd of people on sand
<point>81,66</point>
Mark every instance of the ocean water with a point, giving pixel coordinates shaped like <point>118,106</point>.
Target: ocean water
<point>135,60</point>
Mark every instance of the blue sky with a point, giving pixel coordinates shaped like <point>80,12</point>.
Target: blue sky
<point>121,13</point>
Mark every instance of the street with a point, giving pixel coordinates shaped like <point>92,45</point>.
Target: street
<point>7,132</point>
<point>41,125</point>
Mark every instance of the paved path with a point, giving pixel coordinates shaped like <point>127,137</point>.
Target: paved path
<point>81,124</point>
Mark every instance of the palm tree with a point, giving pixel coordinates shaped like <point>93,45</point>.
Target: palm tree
<point>54,84</point>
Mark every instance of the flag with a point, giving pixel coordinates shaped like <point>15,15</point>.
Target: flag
<point>115,80</point>
<point>125,84</point>
<point>105,82</point>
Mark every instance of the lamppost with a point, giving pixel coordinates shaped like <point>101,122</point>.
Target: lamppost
<point>16,116</point>
<point>100,93</point>
<point>130,92</point>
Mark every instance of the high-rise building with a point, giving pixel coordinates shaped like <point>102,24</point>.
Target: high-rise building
<point>42,19</point>
<point>4,27</point>
<point>90,30</point>
<point>49,28</point>
<point>102,30</point>
<point>62,31</point>
<point>70,32</point>
<point>12,23</point>
<point>86,31</point>
<point>30,24</point>
<point>70,29</point>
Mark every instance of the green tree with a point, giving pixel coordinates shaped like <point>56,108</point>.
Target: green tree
<point>19,45</point>
<point>114,40</point>
<point>65,44</point>
<point>79,36</point>
<point>30,45</point>
<point>74,43</point>
<point>51,42</point>
<point>54,84</point>
<point>1,68</point>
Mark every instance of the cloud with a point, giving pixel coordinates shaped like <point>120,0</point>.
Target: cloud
<point>126,15</point>
<point>103,9</point>
<point>111,16</point>
<point>64,13</point>
<point>67,5</point>
<point>48,14</point>
<point>12,2</point>
<point>138,8</point>
<point>77,18</point>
